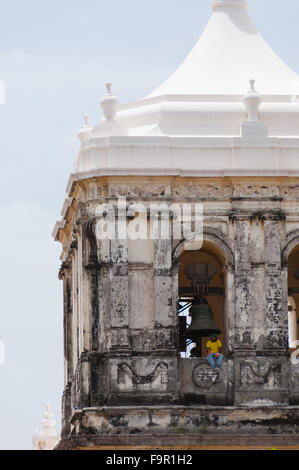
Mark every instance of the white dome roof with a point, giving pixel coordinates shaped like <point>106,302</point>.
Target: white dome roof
<point>204,96</point>
<point>229,53</point>
<point>207,119</point>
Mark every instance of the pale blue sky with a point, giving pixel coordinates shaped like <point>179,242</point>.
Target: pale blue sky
<point>55,57</point>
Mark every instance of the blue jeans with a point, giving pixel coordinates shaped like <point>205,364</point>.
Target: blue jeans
<point>214,361</point>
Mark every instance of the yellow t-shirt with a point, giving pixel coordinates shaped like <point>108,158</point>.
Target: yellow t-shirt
<point>214,346</point>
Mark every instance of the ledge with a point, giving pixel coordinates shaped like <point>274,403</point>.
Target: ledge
<point>178,441</point>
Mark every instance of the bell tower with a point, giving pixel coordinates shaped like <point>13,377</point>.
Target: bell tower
<point>140,286</point>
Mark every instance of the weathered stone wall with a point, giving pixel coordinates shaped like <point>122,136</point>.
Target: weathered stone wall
<point>173,421</point>
<point>120,314</point>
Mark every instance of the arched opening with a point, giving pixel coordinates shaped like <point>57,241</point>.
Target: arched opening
<point>202,274</point>
<point>293,299</point>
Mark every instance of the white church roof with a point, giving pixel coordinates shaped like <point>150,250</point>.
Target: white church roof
<point>229,53</point>
<point>231,109</point>
<point>204,96</point>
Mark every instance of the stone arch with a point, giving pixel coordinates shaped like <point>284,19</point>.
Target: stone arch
<point>292,322</point>
<point>290,261</point>
<point>215,245</point>
<point>219,239</point>
<point>291,243</point>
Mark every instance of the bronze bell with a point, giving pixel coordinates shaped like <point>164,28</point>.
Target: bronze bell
<point>202,324</point>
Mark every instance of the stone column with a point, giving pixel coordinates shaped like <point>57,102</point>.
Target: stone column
<point>65,274</point>
<point>165,312</point>
<point>119,282</point>
<point>275,289</point>
<point>92,267</point>
<point>265,376</point>
<point>258,302</point>
<point>75,326</point>
<point>243,322</point>
<point>229,308</point>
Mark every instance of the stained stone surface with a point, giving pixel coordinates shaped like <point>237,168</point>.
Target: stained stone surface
<point>121,326</point>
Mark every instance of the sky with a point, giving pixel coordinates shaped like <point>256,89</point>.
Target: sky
<point>55,58</point>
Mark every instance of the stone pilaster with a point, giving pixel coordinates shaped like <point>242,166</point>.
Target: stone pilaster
<point>165,311</point>
<point>229,314</point>
<point>92,267</point>
<point>276,300</point>
<point>66,411</point>
<point>65,274</point>
<point>243,319</point>
<point>119,282</point>
<point>258,302</point>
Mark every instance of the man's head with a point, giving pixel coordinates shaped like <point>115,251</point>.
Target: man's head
<point>213,337</point>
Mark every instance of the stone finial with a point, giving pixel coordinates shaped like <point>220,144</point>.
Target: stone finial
<point>109,126</point>
<point>228,3</point>
<point>84,132</point>
<point>109,103</point>
<point>252,101</point>
<point>108,86</point>
<point>253,126</point>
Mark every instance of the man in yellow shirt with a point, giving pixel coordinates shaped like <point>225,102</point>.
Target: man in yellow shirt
<point>213,347</point>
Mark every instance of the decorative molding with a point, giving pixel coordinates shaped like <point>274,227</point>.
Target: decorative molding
<point>119,338</point>
<point>165,337</point>
<point>289,190</point>
<point>204,376</point>
<point>139,190</point>
<point>253,190</point>
<point>124,370</point>
<point>206,191</point>
<point>270,375</point>
<point>142,340</point>
<point>95,192</point>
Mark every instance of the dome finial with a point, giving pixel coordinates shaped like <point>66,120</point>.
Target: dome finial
<point>109,126</point>
<point>86,120</point>
<point>84,132</point>
<point>109,103</point>
<point>109,87</point>
<point>252,101</point>
<point>252,84</point>
<point>253,127</point>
